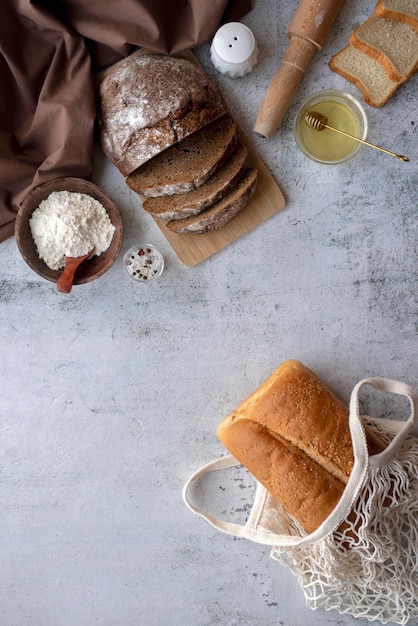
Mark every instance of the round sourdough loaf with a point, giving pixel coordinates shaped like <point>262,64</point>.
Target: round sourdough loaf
<point>149,102</point>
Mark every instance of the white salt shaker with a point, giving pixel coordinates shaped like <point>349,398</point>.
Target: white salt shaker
<point>234,50</point>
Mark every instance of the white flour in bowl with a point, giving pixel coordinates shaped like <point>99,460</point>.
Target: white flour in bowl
<point>69,223</point>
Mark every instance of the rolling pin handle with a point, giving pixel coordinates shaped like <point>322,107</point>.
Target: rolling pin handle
<point>308,30</point>
<point>284,85</point>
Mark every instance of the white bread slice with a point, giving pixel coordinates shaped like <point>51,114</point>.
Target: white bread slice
<point>365,73</point>
<point>221,212</point>
<point>392,44</point>
<point>405,11</point>
<point>182,205</point>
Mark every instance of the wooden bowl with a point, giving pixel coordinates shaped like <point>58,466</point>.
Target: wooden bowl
<point>91,268</point>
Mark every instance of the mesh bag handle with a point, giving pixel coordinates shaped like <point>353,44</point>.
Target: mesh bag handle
<point>405,427</point>
<point>252,530</point>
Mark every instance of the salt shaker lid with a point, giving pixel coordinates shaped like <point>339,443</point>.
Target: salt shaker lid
<point>234,49</point>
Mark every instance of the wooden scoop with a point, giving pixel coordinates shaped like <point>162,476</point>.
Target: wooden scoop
<point>65,281</point>
<point>307,32</point>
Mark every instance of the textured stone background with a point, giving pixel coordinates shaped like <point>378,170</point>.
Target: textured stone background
<point>110,396</point>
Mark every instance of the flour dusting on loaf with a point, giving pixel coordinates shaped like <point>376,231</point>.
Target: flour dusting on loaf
<point>165,125</point>
<point>148,102</point>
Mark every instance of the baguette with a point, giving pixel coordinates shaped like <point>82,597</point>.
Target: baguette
<point>292,434</point>
<point>304,488</point>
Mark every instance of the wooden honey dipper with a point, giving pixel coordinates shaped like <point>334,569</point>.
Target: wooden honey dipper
<point>319,122</point>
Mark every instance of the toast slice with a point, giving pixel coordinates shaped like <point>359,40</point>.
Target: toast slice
<point>392,44</point>
<point>405,11</point>
<point>366,74</point>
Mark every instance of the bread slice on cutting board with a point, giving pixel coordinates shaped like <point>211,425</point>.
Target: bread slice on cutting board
<point>188,163</point>
<point>179,206</point>
<point>220,213</point>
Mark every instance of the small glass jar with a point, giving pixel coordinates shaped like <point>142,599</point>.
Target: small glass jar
<point>143,263</point>
<point>343,112</point>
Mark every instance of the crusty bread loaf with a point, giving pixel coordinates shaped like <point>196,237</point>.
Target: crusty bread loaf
<point>293,434</point>
<point>164,123</point>
<point>222,212</point>
<point>365,73</point>
<point>148,102</point>
<point>294,403</point>
<point>399,10</point>
<point>187,164</point>
<point>179,206</point>
<point>305,489</point>
<point>392,44</point>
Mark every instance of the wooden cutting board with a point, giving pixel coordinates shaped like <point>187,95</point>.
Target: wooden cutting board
<point>266,202</point>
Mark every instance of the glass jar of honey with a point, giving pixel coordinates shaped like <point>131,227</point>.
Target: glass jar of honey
<point>343,112</point>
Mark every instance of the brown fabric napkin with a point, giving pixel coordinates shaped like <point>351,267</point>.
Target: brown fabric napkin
<point>49,52</point>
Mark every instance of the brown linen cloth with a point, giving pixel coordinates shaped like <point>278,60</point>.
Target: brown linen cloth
<point>49,52</point>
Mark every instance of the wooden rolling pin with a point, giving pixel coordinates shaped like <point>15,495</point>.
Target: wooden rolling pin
<point>308,30</point>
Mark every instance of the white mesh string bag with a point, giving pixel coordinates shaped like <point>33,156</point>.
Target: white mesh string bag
<point>363,559</point>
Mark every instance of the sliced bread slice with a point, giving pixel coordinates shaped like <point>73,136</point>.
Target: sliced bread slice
<point>222,212</point>
<point>392,44</point>
<point>365,73</point>
<point>187,164</point>
<point>399,10</point>
<point>179,206</point>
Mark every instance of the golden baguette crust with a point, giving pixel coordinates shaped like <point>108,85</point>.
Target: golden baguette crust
<point>292,434</point>
<point>295,404</point>
<point>305,489</point>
